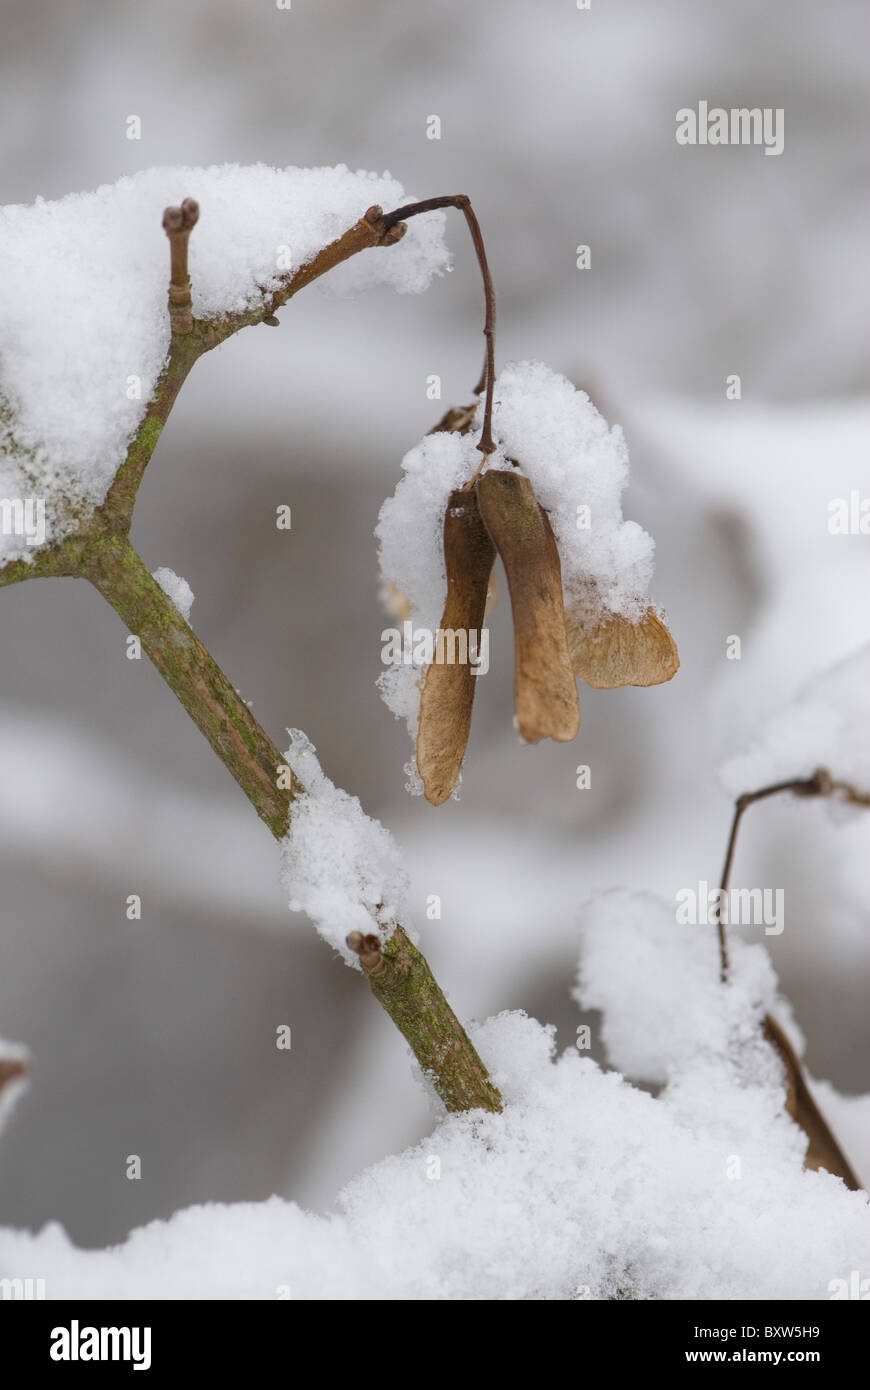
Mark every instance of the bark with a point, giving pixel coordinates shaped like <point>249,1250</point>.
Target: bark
<point>402,982</point>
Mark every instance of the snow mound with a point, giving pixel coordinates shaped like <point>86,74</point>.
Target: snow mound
<point>584,1188</point>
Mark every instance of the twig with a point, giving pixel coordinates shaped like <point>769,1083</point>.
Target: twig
<point>461,201</point>
<point>819,784</point>
<point>441,1044</point>
<point>823,1150</point>
<point>178,223</point>
<point>187,348</point>
<point>211,700</point>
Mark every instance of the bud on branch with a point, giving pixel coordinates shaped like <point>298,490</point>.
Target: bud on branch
<point>178,223</point>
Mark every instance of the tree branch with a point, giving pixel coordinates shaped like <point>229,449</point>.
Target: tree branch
<point>205,334</point>
<point>402,981</point>
<point>211,700</point>
<point>100,551</point>
<point>45,564</point>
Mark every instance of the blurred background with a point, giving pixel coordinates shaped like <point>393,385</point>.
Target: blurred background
<point>157,1037</point>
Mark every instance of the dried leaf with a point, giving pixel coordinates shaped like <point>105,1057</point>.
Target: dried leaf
<point>546,693</point>
<point>823,1150</point>
<point>457,420</point>
<point>492,592</point>
<point>612,651</point>
<point>448,692</point>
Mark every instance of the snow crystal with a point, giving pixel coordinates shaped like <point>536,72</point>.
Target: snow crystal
<point>176,589</point>
<point>84,327</point>
<point>574,459</point>
<point>339,866</point>
<point>825,725</point>
<point>579,1190</point>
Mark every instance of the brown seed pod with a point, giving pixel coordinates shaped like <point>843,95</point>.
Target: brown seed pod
<point>546,693</point>
<point>611,651</point>
<point>448,691</point>
<point>823,1150</point>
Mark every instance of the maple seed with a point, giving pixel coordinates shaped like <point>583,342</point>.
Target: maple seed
<point>546,693</point>
<point>609,651</point>
<point>448,692</point>
<point>823,1151</point>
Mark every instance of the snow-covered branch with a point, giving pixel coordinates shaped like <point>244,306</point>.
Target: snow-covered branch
<point>92,542</point>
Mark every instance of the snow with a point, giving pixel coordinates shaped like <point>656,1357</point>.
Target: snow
<point>84,328</point>
<point>579,1190</point>
<point>657,983</point>
<point>176,589</point>
<point>410,535</point>
<point>849,1117</point>
<point>339,866</point>
<point>667,1018</point>
<point>824,725</point>
<point>574,460</point>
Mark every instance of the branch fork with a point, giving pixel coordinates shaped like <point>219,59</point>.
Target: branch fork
<point>101,552</point>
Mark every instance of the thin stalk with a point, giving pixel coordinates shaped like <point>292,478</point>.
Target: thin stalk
<point>819,784</point>
<point>823,1149</point>
<point>461,201</point>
